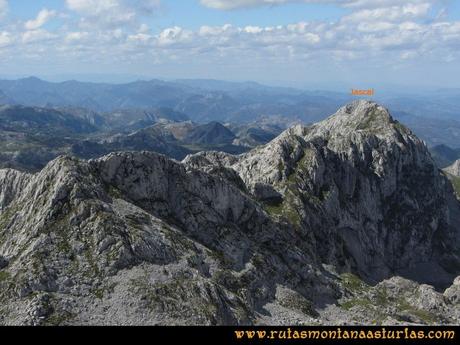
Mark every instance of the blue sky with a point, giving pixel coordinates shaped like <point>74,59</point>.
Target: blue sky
<point>190,14</point>
<point>302,43</point>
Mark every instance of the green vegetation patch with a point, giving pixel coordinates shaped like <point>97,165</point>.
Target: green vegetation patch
<point>180,297</point>
<point>7,215</point>
<point>455,180</point>
<point>59,319</point>
<point>425,316</point>
<point>357,302</point>
<point>353,283</point>
<point>114,192</point>
<point>4,276</point>
<point>399,126</point>
<point>287,209</point>
<point>371,121</point>
<point>298,302</point>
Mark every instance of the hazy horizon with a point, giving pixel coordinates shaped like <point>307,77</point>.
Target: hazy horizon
<point>381,89</point>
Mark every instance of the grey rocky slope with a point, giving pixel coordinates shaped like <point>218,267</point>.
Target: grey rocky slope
<point>454,169</point>
<point>136,238</point>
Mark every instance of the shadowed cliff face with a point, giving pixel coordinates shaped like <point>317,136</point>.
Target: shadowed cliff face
<point>265,237</point>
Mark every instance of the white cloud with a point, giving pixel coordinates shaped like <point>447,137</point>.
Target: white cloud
<point>139,38</point>
<point>91,6</point>
<point>393,13</point>
<point>5,39</point>
<point>3,8</point>
<point>383,3</point>
<point>302,42</point>
<point>406,55</point>
<point>206,30</point>
<point>144,28</point>
<point>375,26</point>
<point>229,5</point>
<point>112,12</point>
<point>253,29</point>
<point>173,36</point>
<point>76,36</point>
<point>42,18</point>
<point>234,4</point>
<point>39,35</point>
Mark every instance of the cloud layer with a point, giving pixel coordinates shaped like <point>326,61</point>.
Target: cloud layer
<point>383,33</point>
<point>111,12</point>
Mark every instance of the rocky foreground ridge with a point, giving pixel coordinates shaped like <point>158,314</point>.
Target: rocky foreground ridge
<point>344,221</point>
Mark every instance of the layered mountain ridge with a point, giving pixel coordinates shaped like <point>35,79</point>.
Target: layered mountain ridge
<point>31,137</point>
<point>306,229</point>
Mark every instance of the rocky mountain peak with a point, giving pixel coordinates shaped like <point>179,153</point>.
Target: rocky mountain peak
<point>363,180</point>
<point>359,109</point>
<point>363,132</point>
<point>360,120</point>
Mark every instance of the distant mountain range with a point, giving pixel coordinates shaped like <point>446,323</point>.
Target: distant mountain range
<point>212,133</point>
<point>40,120</point>
<point>434,131</point>
<point>202,101</point>
<point>444,155</point>
<point>434,117</point>
<point>43,119</point>
<point>32,136</point>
